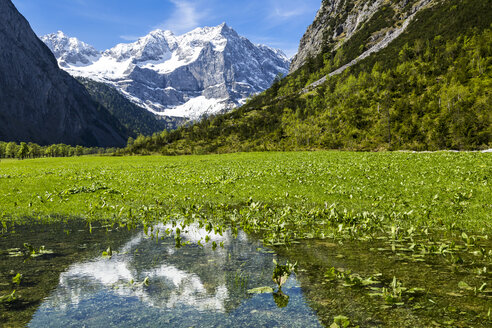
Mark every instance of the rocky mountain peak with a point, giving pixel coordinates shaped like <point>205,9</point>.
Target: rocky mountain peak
<point>153,46</point>
<point>69,50</point>
<point>205,71</point>
<point>338,20</point>
<point>61,35</point>
<point>159,32</point>
<point>226,30</point>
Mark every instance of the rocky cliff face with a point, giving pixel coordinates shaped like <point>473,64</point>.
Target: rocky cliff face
<point>338,21</point>
<point>38,101</point>
<point>205,71</point>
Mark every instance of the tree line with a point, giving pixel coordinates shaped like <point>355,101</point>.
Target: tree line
<point>25,150</point>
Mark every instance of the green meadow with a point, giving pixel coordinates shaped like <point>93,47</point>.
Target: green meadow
<point>425,189</point>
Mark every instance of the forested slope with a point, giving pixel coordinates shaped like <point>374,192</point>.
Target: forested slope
<point>136,119</point>
<point>429,89</point>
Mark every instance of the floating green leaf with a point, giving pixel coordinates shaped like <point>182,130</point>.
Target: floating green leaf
<point>261,290</point>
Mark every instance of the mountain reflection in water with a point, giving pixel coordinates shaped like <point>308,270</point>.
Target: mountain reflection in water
<point>153,283</point>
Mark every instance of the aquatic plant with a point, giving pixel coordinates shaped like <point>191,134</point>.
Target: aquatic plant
<point>108,253</point>
<point>282,272</point>
<point>280,299</point>
<point>340,321</point>
<point>8,298</point>
<point>261,290</point>
<point>17,279</point>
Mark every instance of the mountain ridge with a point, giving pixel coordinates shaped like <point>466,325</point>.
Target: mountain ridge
<point>205,71</point>
<point>337,21</point>
<point>135,118</point>
<point>41,103</point>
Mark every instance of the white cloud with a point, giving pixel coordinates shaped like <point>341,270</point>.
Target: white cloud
<point>185,17</point>
<point>129,37</point>
<point>282,10</point>
<point>285,13</point>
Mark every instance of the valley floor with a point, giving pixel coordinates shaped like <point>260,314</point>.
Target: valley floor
<point>440,188</point>
<point>380,239</point>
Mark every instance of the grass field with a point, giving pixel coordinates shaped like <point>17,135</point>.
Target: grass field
<point>425,189</point>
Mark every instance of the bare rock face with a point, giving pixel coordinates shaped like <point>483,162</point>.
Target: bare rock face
<point>38,101</point>
<point>338,21</point>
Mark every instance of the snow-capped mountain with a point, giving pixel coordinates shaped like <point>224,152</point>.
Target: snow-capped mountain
<point>205,71</point>
<point>70,50</point>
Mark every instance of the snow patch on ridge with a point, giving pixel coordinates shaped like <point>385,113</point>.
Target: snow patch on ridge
<point>196,107</point>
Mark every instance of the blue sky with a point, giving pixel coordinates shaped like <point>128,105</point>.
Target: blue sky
<point>105,23</point>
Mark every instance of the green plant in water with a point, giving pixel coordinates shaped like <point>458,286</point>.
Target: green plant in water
<point>240,281</point>
<point>261,290</point>
<point>30,252</point>
<point>340,321</point>
<point>282,272</point>
<point>465,286</point>
<point>144,283</point>
<point>17,279</point>
<point>482,289</point>
<point>281,299</point>
<point>8,298</point>
<point>108,253</point>
<point>280,275</point>
<point>331,274</point>
<point>350,279</point>
<point>392,295</point>
<point>469,240</point>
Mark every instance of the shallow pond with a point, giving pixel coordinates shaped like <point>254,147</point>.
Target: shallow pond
<point>145,282</point>
<point>151,283</point>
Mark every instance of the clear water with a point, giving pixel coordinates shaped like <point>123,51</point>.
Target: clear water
<point>191,286</point>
